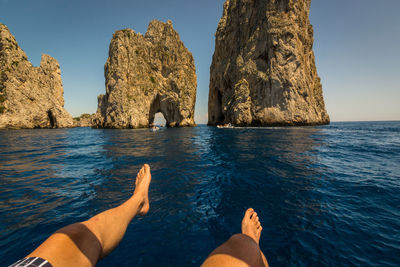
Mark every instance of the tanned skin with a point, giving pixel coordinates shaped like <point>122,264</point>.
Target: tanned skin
<point>85,243</point>
<point>241,249</point>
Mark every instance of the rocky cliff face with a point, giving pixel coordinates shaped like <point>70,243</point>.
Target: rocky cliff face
<point>263,70</point>
<point>30,97</point>
<point>145,75</point>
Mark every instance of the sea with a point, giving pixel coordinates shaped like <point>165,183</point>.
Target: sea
<point>325,196</point>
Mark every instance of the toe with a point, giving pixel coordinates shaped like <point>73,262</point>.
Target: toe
<point>248,213</point>
<point>146,167</point>
<point>256,219</point>
<point>140,173</point>
<point>254,216</point>
<point>259,229</point>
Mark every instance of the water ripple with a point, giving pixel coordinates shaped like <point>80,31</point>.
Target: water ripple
<point>325,195</point>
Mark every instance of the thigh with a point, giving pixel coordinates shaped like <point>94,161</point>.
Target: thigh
<point>74,245</point>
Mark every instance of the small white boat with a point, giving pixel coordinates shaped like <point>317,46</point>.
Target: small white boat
<point>226,126</point>
<point>154,129</point>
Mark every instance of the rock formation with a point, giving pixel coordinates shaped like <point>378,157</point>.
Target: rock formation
<point>145,75</point>
<point>30,97</point>
<point>263,70</point>
<point>85,120</point>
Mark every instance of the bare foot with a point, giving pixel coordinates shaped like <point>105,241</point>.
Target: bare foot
<point>142,183</point>
<point>251,225</point>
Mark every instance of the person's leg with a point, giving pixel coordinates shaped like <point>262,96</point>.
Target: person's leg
<point>83,244</point>
<point>241,249</point>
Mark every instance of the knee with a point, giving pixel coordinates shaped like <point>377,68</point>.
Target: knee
<point>80,235</point>
<point>242,240</point>
<point>74,231</point>
<point>242,249</point>
<point>83,239</point>
<point>239,237</point>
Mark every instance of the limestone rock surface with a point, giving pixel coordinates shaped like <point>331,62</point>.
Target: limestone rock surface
<point>146,75</point>
<point>85,120</point>
<point>263,71</point>
<point>30,97</point>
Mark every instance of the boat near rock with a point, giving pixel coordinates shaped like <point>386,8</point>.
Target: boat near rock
<point>154,129</point>
<point>227,125</point>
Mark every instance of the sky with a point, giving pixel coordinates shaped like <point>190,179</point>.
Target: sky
<point>356,45</point>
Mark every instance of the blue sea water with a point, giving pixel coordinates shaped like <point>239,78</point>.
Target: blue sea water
<point>325,196</point>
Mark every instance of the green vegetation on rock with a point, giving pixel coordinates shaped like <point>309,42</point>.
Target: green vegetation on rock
<point>131,98</point>
<point>82,116</point>
<point>2,100</point>
<point>126,32</point>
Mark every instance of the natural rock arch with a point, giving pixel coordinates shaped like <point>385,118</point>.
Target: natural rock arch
<point>145,75</point>
<point>159,119</point>
<point>166,108</point>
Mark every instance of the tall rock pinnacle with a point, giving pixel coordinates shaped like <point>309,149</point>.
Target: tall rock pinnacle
<point>263,70</point>
<point>145,75</point>
<point>30,97</point>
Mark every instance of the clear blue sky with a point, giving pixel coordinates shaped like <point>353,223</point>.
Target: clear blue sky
<point>356,47</point>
